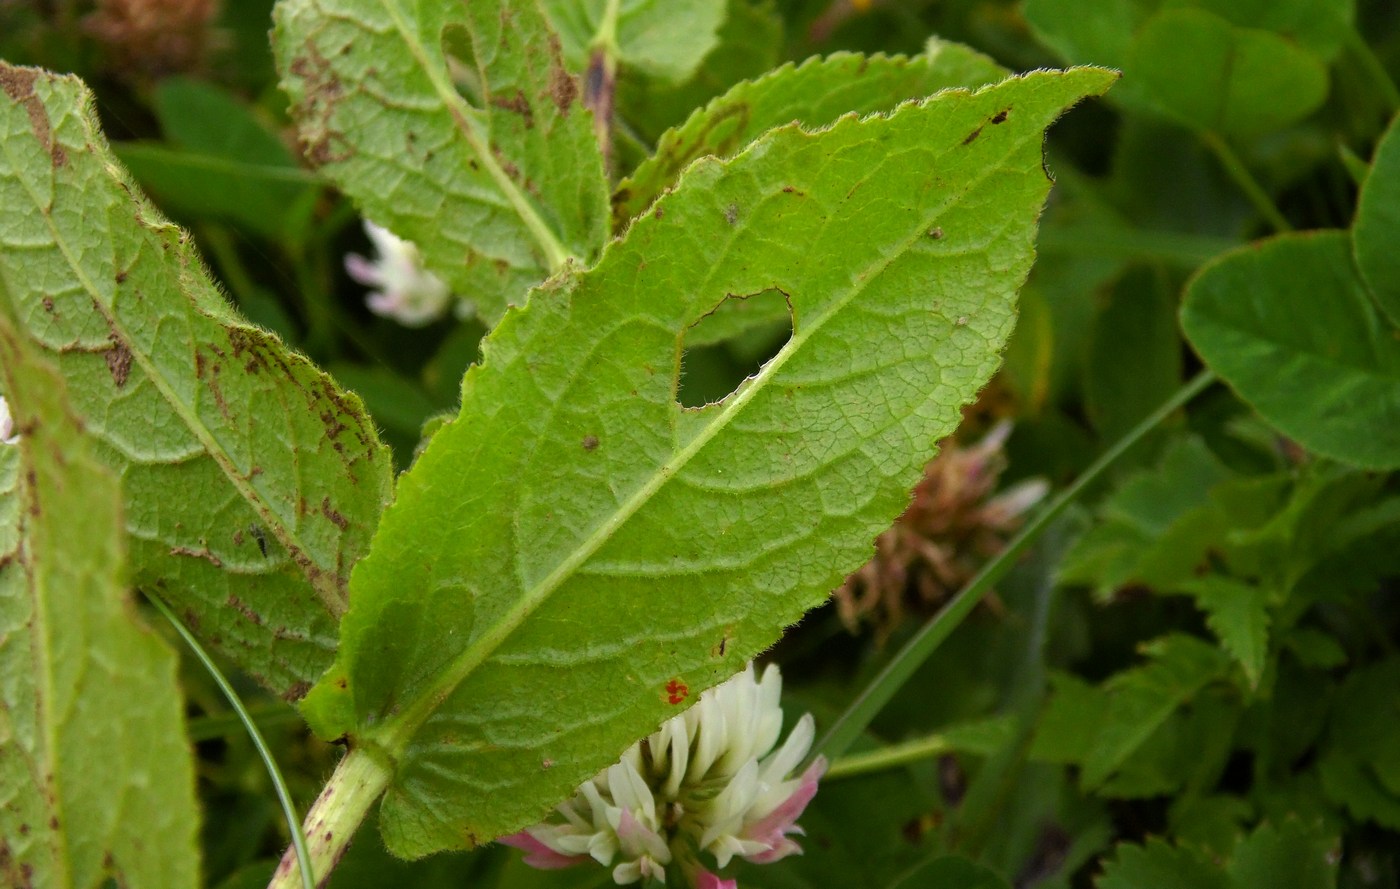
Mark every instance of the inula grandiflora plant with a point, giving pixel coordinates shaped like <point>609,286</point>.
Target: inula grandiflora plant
<point>554,358</point>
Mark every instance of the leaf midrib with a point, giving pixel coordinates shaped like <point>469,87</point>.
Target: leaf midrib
<point>556,255</point>
<point>324,584</point>
<point>399,731</point>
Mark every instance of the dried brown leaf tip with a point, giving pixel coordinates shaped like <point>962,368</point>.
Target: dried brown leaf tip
<point>956,521</point>
<point>153,38</point>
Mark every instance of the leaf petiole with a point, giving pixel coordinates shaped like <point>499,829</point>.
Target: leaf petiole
<point>359,780</point>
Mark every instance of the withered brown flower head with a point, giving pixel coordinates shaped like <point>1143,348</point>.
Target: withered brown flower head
<point>954,524</point>
<point>152,38</point>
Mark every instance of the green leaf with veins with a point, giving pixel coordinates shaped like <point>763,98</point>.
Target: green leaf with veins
<point>251,483</point>
<point>97,778</point>
<point>815,93</point>
<point>617,551</point>
<point>665,39</point>
<point>497,178</point>
<point>1206,73</point>
<point>1376,231</point>
<point>1325,372</point>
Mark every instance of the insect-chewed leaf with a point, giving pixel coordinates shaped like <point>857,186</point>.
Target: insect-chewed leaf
<point>497,187</point>
<point>815,93</point>
<point>620,553</point>
<point>251,483</point>
<point>97,777</point>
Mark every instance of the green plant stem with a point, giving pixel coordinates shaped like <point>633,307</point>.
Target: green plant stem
<point>863,709</point>
<point>890,757</point>
<point>1239,173</point>
<point>600,81</point>
<point>331,823</point>
<point>1380,77</point>
<point>284,797</point>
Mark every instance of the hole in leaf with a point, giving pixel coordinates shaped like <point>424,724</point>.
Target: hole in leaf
<point>461,63</point>
<point>730,344</point>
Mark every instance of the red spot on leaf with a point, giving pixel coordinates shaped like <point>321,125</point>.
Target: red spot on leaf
<point>676,691</point>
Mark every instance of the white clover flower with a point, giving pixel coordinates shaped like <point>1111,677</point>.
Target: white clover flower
<point>708,781</point>
<point>8,433</point>
<point>406,292</point>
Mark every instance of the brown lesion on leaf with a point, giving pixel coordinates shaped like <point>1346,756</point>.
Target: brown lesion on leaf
<point>118,360</point>
<point>334,515</point>
<point>244,609</point>
<point>18,84</point>
<point>519,104</point>
<point>193,553</point>
<point>322,90</point>
<point>563,89</point>
<point>296,691</point>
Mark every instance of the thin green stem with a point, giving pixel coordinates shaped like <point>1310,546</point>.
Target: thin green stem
<point>359,780</point>
<point>278,784</point>
<point>1237,171</point>
<point>891,757</point>
<point>1380,77</point>
<point>863,709</point>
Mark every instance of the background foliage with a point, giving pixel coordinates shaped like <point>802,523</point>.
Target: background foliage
<point>1193,679</point>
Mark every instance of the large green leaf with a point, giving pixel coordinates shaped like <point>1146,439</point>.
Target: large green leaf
<point>1207,73</point>
<point>815,93</point>
<point>96,779</point>
<point>1241,67</point>
<point>251,483</point>
<point>611,544</point>
<point>1289,325</point>
<point>666,39</point>
<point>499,187</point>
<point>1376,232</point>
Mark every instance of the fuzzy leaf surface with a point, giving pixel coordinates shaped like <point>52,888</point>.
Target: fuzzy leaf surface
<point>498,181</point>
<point>1325,372</point>
<point>619,552</point>
<point>816,93</point>
<point>251,483</point>
<point>96,778</point>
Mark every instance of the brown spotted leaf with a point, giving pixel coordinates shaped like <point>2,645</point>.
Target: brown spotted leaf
<point>96,778</point>
<point>251,484</point>
<point>456,126</point>
<point>576,555</point>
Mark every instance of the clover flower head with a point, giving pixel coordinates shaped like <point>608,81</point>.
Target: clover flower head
<point>8,433</point>
<point>708,780</point>
<point>405,291</point>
